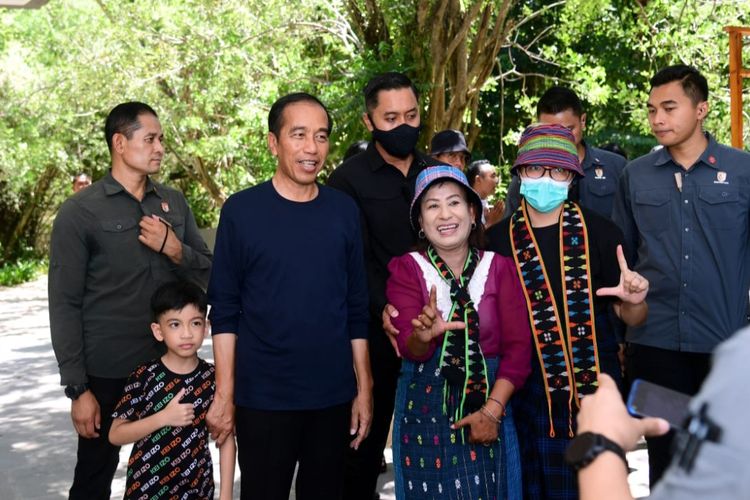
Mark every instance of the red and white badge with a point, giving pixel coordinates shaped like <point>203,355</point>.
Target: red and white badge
<point>165,207</point>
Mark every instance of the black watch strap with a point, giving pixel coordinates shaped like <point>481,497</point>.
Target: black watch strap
<point>75,391</point>
<point>587,446</point>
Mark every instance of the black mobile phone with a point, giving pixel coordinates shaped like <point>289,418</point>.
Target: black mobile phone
<point>651,400</point>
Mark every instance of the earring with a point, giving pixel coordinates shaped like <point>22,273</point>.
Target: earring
<point>473,226</point>
<point>421,234</point>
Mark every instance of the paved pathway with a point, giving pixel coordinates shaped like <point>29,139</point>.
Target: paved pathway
<point>37,442</point>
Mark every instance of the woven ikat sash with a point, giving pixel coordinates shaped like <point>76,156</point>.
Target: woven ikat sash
<point>462,363</point>
<point>569,362</point>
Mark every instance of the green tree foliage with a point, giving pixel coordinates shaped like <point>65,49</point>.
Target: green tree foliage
<point>607,50</point>
<point>210,68</point>
<point>448,46</point>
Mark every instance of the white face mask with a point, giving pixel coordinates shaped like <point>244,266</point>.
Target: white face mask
<point>544,194</point>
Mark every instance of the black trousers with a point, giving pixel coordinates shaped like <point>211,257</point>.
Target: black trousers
<point>681,371</point>
<point>271,443</point>
<point>363,465</point>
<point>97,459</point>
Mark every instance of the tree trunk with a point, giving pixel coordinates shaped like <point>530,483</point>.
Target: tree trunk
<point>454,46</point>
<point>34,203</point>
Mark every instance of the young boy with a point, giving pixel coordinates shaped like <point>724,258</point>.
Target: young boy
<point>164,405</point>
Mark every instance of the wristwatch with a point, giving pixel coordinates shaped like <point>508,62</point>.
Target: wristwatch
<point>585,447</point>
<point>75,391</point>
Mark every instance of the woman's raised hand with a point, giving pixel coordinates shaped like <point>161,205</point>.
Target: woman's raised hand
<point>430,324</point>
<point>632,288</point>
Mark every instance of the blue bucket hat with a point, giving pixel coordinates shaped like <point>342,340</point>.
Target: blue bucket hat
<point>434,175</point>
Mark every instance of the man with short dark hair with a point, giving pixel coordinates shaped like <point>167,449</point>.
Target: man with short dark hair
<point>112,245</point>
<point>288,293</point>
<point>483,179</point>
<point>381,181</point>
<point>684,213</point>
<point>449,146</point>
<point>602,169</point>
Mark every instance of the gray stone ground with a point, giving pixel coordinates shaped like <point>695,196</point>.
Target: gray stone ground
<point>37,441</point>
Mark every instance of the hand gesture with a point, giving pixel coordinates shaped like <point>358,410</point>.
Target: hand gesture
<point>632,288</point>
<point>430,324</point>
<point>482,430</point>
<point>604,413</point>
<point>86,415</point>
<point>390,331</point>
<point>159,236</point>
<point>178,414</point>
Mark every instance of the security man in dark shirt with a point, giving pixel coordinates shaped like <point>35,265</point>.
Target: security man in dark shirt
<point>112,245</point>
<point>684,210</point>
<point>381,181</point>
<point>602,169</point>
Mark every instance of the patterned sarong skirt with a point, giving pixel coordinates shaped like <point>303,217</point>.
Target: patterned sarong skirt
<point>432,461</point>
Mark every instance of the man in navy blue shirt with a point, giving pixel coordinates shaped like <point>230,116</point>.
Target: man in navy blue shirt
<point>684,213</point>
<point>289,318</point>
<point>602,169</point>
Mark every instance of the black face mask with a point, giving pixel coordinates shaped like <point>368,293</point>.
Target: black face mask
<point>398,142</point>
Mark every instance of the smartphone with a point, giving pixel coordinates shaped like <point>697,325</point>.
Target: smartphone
<point>651,400</point>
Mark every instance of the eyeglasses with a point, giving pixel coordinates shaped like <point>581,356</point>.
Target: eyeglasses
<point>556,173</point>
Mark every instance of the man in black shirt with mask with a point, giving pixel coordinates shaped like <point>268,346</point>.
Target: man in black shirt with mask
<point>381,181</point>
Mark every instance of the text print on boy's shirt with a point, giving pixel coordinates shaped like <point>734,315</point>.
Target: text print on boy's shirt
<point>170,460</point>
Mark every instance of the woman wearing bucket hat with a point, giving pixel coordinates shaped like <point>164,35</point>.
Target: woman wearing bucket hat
<point>562,254</point>
<point>466,347</point>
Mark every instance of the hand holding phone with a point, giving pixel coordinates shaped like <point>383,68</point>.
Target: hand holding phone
<point>647,399</point>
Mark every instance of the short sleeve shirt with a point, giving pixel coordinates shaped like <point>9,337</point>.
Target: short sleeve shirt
<point>172,463</point>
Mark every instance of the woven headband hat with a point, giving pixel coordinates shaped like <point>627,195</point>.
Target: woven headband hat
<point>548,146</point>
<point>441,173</point>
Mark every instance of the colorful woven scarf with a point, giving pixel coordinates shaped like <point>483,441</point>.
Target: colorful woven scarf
<point>568,357</point>
<point>461,360</point>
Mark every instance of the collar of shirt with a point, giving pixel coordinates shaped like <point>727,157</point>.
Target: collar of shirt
<point>376,161</point>
<point>591,158</point>
<point>111,186</point>
<point>588,157</point>
<point>710,156</point>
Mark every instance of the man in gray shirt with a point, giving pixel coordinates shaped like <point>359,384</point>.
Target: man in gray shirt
<point>112,245</point>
